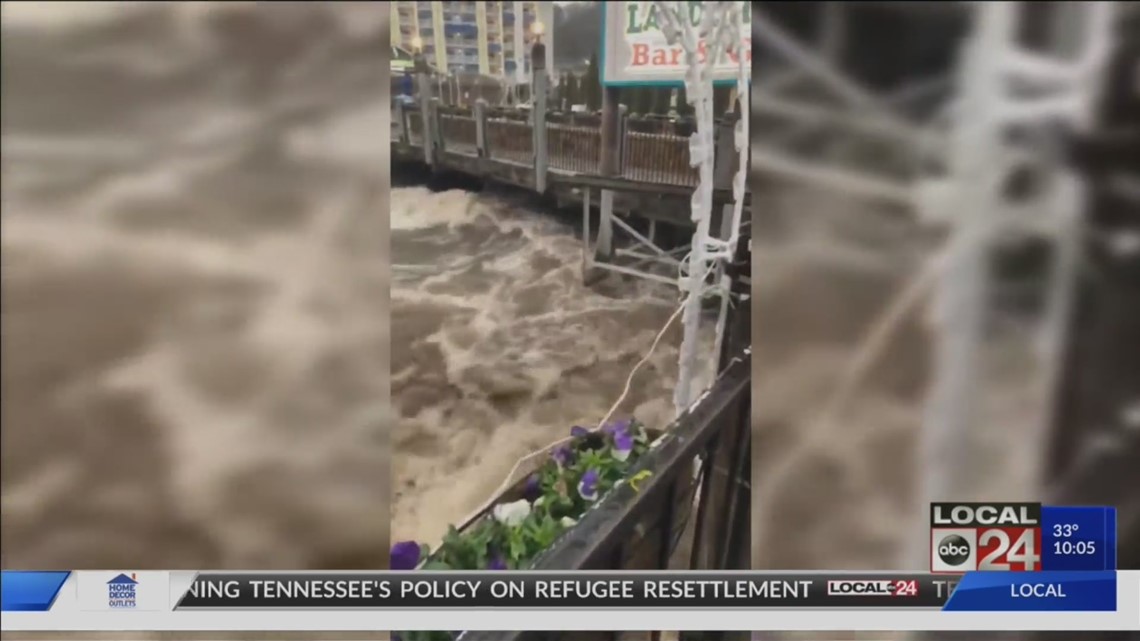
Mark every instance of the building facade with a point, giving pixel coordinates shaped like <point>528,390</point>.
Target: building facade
<point>489,38</point>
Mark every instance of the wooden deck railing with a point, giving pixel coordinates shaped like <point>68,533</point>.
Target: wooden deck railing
<point>574,148</point>
<point>510,140</point>
<point>459,133</point>
<point>652,150</point>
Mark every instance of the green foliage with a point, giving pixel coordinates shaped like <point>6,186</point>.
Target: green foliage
<point>565,487</point>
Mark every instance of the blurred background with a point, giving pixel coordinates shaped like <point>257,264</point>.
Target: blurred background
<point>860,416</point>
<point>195,322</point>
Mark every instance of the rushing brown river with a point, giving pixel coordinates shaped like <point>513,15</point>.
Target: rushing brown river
<point>498,347</point>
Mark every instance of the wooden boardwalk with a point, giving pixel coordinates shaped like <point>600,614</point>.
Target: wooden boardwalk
<point>654,177</point>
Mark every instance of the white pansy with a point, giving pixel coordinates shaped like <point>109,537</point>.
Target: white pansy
<point>512,514</point>
<point>568,522</point>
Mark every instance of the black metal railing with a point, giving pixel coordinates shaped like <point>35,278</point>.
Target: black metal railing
<point>696,490</point>
<point>652,149</point>
<point>458,129</point>
<point>573,148</point>
<point>657,158</point>
<point>510,139</point>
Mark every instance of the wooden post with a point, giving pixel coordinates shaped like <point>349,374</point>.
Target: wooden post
<point>611,128</point>
<point>610,166</point>
<point>587,256</point>
<point>428,131</point>
<point>481,128</point>
<point>402,120</point>
<point>539,82</point>
<point>423,82</point>
<point>437,131</point>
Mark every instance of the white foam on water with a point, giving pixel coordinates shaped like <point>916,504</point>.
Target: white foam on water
<point>499,348</point>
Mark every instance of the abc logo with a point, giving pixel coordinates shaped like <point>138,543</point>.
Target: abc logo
<point>953,550</point>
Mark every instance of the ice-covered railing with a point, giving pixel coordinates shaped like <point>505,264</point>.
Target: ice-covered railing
<point>723,29</point>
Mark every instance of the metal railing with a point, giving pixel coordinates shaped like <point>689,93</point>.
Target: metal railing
<point>644,528</point>
<point>510,140</point>
<point>459,133</point>
<point>657,158</point>
<point>651,150</point>
<point>573,148</point>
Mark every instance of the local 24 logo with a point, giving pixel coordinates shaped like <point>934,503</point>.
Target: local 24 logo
<point>965,537</point>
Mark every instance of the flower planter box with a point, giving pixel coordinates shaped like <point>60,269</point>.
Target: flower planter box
<point>514,487</point>
<point>543,497</point>
<point>542,500</point>
<point>642,551</point>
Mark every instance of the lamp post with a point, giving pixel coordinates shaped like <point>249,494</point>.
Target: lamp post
<point>538,91</point>
<point>423,75</point>
<point>537,54</point>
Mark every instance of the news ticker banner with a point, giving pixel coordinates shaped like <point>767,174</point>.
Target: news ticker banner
<point>1101,600</point>
<point>1021,537</point>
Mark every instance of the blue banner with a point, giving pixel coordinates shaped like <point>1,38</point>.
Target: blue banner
<point>29,591</point>
<point>1034,592</point>
<point>1078,538</point>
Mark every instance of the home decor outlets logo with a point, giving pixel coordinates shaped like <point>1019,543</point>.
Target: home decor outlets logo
<point>122,591</point>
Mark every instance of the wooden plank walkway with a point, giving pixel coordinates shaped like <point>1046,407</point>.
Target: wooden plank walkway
<point>653,161</point>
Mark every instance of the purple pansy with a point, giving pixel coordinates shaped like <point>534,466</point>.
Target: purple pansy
<point>564,456</point>
<point>405,555</point>
<point>496,563</point>
<point>578,431</point>
<point>533,488</point>
<point>623,445</point>
<point>588,486</point>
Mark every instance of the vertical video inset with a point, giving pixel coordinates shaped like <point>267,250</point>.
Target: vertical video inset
<point>194,297</point>
<point>570,286</point>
